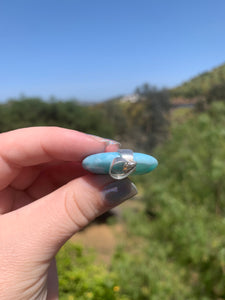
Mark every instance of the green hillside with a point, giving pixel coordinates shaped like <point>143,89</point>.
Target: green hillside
<point>169,240</point>
<point>172,243</point>
<point>141,125</point>
<point>201,84</point>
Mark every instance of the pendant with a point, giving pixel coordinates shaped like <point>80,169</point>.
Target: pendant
<point>120,164</point>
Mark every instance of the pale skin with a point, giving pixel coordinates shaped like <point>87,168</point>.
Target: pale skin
<point>45,198</point>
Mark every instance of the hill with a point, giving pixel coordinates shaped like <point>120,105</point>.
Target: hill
<point>200,85</point>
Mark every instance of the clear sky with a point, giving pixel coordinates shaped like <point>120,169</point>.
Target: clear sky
<point>97,49</point>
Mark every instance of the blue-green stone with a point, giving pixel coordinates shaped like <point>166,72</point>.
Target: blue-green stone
<point>100,163</point>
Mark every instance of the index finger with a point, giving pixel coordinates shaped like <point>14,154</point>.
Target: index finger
<point>36,145</point>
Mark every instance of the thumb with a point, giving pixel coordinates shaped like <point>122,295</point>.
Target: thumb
<point>46,224</point>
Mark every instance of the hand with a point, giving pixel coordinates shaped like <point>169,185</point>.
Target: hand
<point>46,197</point>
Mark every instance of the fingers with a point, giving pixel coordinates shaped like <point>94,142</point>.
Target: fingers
<point>52,281</point>
<point>54,175</point>
<point>56,217</point>
<point>32,184</point>
<point>37,145</point>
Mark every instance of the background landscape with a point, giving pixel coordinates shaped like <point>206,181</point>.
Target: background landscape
<point>168,242</point>
<point>151,75</point>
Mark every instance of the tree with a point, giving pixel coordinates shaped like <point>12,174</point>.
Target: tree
<point>216,93</point>
<point>155,119</point>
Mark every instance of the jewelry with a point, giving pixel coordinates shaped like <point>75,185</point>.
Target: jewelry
<point>124,165</point>
<point>120,164</point>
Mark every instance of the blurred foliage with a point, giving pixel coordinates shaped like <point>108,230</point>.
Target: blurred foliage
<point>154,118</point>
<point>193,158</point>
<point>174,246</point>
<point>27,112</point>
<point>187,200</point>
<point>216,93</point>
<point>80,278</point>
<point>142,124</point>
<point>201,85</point>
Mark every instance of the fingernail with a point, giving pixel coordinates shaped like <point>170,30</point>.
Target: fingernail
<point>119,191</point>
<point>103,140</point>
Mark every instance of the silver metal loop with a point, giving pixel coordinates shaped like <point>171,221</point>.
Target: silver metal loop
<point>123,165</point>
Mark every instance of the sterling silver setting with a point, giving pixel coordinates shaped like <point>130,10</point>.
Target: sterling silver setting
<point>122,166</point>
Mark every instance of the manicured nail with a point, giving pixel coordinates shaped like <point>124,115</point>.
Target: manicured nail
<point>119,191</point>
<point>103,140</point>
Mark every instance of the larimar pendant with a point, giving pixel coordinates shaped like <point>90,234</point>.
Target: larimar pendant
<point>120,164</point>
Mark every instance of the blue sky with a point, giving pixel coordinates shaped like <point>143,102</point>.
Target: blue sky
<point>97,49</point>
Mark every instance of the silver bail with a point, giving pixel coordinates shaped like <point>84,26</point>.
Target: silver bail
<point>122,166</point>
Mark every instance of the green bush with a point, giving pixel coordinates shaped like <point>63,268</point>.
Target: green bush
<point>145,272</point>
<point>174,247</point>
<point>187,196</point>
<point>80,278</point>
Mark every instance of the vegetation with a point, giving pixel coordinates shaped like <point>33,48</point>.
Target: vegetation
<point>81,278</point>
<point>174,247</point>
<point>202,84</point>
<point>70,114</point>
<point>173,243</point>
<point>216,93</point>
<point>187,197</point>
<point>146,119</point>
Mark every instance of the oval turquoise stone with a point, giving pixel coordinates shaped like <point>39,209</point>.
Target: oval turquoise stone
<point>100,163</point>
